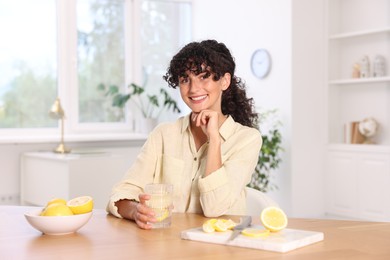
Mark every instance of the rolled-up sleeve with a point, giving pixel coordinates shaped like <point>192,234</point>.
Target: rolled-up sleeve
<point>140,173</point>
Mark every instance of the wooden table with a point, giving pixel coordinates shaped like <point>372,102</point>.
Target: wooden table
<point>107,237</point>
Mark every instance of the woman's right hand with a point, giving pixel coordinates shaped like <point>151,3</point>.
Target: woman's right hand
<point>143,214</point>
<point>139,212</point>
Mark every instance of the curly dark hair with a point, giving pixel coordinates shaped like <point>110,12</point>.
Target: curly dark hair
<point>216,59</point>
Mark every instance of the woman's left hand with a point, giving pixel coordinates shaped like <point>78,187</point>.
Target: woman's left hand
<point>208,120</point>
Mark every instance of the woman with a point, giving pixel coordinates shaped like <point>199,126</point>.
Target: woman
<point>208,155</point>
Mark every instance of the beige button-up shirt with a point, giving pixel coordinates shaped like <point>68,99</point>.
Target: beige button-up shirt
<point>169,156</point>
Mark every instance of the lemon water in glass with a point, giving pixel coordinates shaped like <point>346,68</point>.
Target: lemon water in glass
<point>161,203</point>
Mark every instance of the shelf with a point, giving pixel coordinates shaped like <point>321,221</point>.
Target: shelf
<point>359,148</point>
<point>359,81</point>
<point>358,33</point>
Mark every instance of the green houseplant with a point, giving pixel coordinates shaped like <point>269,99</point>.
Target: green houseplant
<point>270,154</point>
<point>150,106</point>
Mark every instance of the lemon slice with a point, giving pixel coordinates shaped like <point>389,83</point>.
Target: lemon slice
<point>254,232</point>
<point>161,214</point>
<point>221,225</point>
<point>81,205</point>
<point>57,209</point>
<point>208,226</point>
<point>273,218</point>
<point>230,224</point>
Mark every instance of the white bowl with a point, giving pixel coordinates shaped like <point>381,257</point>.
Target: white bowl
<point>57,225</point>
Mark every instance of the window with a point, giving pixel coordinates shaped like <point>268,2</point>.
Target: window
<point>28,63</point>
<point>165,28</point>
<point>67,48</point>
<point>101,56</point>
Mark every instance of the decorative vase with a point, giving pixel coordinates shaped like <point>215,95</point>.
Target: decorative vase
<point>379,66</point>
<point>365,67</point>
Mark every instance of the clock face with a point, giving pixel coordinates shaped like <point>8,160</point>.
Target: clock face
<point>261,63</point>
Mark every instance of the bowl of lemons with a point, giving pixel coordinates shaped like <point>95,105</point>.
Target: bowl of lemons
<point>60,217</point>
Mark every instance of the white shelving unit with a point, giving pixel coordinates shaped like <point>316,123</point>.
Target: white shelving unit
<point>357,28</point>
<point>358,176</point>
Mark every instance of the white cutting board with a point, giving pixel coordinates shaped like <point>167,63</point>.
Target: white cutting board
<point>282,241</point>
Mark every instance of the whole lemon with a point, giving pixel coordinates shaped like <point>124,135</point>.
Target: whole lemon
<point>56,200</point>
<point>57,209</point>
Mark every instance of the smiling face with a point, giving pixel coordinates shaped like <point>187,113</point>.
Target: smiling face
<point>202,70</point>
<point>202,92</point>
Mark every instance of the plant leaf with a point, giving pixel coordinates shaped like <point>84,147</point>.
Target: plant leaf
<point>136,89</point>
<point>120,100</point>
<point>101,87</point>
<point>112,90</point>
<point>154,100</point>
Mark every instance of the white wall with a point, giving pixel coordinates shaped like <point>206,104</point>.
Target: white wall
<point>293,33</point>
<point>308,113</point>
<point>263,24</point>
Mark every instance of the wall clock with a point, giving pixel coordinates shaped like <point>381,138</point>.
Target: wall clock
<point>261,63</point>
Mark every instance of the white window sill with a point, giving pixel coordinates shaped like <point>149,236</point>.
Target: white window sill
<point>101,137</point>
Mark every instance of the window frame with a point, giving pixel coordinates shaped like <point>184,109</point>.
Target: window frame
<point>69,63</point>
<point>67,82</point>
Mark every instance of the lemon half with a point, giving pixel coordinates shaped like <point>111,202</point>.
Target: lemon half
<point>273,219</point>
<point>81,205</point>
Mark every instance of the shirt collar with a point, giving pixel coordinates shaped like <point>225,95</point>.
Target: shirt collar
<point>226,129</point>
<point>186,123</point>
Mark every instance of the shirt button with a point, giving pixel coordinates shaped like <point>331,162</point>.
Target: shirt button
<point>195,158</point>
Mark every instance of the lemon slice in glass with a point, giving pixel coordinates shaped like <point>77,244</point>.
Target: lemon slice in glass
<point>161,214</point>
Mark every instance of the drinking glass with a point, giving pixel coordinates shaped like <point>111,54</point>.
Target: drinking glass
<point>161,203</point>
